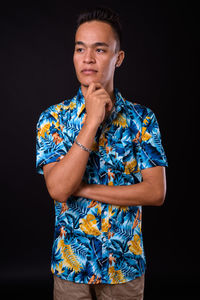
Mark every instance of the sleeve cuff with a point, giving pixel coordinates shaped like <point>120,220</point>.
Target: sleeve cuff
<point>53,158</point>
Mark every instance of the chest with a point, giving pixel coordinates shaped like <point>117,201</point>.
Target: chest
<point>114,156</point>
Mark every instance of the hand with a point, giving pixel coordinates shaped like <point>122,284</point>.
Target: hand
<point>97,103</point>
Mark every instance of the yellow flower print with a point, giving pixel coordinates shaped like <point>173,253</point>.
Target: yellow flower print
<point>72,105</point>
<point>138,218</point>
<point>134,246</point>
<point>120,208</point>
<point>105,225</point>
<point>55,115</point>
<point>57,125</point>
<point>69,258</point>
<point>124,208</point>
<point>130,166</point>
<point>146,120</point>
<point>116,275</point>
<point>81,109</point>
<point>105,222</point>
<point>110,211</point>
<point>58,107</point>
<point>98,206</point>
<point>44,129</point>
<point>59,267</point>
<point>120,121</point>
<point>89,225</point>
<point>145,135</point>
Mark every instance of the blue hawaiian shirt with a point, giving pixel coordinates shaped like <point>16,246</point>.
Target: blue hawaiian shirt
<point>96,242</point>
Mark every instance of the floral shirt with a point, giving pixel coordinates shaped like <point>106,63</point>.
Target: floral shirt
<point>96,242</point>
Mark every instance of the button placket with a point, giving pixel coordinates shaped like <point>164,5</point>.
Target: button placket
<point>105,254</point>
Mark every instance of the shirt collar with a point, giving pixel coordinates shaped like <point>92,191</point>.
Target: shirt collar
<point>118,106</point>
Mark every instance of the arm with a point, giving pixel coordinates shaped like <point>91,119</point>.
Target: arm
<point>63,177</point>
<point>151,191</point>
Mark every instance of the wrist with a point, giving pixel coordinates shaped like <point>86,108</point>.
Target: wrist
<point>91,124</point>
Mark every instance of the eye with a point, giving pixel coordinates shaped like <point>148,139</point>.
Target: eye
<point>99,50</point>
<point>80,50</point>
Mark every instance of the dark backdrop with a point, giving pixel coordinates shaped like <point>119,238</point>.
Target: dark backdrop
<point>37,71</point>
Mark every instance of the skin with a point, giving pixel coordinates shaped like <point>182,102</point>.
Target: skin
<point>96,49</point>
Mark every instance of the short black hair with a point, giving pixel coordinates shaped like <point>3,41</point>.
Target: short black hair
<point>103,14</point>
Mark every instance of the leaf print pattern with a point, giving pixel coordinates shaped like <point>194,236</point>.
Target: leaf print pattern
<point>69,258</point>
<point>135,245</point>
<point>121,121</point>
<point>116,276</point>
<point>44,130</point>
<point>96,242</point>
<point>131,166</point>
<point>89,226</point>
<point>145,135</point>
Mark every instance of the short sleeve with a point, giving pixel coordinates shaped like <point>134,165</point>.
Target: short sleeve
<point>150,150</point>
<point>50,146</point>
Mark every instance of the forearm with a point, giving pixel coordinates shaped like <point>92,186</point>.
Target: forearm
<point>133,195</point>
<point>66,175</point>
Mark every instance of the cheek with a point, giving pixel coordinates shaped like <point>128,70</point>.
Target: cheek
<point>75,60</point>
<point>109,66</point>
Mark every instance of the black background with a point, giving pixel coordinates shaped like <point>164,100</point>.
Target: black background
<point>159,71</point>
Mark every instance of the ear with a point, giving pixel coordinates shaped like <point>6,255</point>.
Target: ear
<point>120,58</point>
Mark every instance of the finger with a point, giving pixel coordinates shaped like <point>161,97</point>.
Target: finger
<point>90,89</point>
<point>104,98</point>
<point>98,86</point>
<point>95,87</point>
<point>100,91</point>
<point>109,105</point>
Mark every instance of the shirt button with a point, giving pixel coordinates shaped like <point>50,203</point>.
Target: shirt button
<point>104,239</point>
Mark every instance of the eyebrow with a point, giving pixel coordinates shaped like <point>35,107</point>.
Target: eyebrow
<point>95,44</point>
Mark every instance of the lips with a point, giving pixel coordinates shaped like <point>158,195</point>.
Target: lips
<point>88,71</point>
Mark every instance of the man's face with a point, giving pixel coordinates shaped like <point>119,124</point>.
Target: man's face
<point>95,54</point>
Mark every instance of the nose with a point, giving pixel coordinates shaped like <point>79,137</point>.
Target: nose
<point>89,57</point>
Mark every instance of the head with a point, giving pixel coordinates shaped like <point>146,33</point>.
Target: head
<point>97,50</point>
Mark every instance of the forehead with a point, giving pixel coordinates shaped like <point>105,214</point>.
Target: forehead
<point>95,31</point>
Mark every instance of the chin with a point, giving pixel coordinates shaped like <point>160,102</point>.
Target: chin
<point>86,83</point>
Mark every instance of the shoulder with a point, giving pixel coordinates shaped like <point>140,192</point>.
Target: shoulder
<point>138,111</point>
<point>54,112</point>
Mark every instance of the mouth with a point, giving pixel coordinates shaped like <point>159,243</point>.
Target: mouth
<point>88,71</point>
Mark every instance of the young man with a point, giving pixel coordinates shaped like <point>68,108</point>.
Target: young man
<point>102,159</point>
